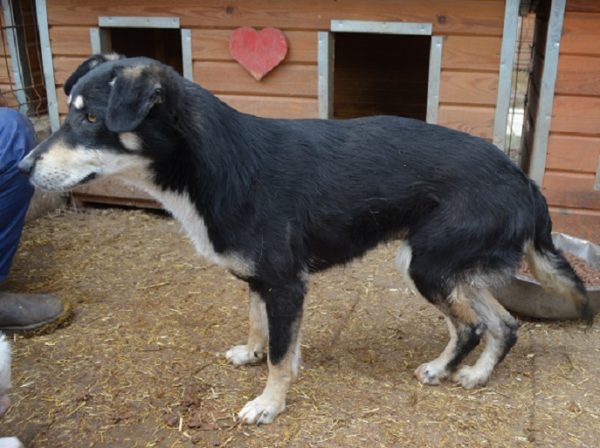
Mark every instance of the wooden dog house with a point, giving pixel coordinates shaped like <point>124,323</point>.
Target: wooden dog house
<point>444,61</point>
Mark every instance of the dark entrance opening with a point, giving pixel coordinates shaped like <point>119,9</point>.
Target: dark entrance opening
<point>380,74</point>
<point>162,44</point>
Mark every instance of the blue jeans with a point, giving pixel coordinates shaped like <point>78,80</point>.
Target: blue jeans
<point>17,138</point>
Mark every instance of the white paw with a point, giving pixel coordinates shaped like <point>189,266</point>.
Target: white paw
<point>241,354</point>
<point>430,373</point>
<point>261,410</point>
<point>470,377</point>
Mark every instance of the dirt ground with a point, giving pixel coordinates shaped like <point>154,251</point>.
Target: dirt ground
<point>141,363</point>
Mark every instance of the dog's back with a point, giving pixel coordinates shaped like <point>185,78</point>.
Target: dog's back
<point>345,186</point>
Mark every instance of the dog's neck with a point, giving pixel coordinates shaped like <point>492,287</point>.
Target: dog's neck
<point>210,171</point>
<point>183,208</point>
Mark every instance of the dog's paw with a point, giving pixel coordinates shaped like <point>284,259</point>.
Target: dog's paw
<point>469,377</point>
<point>430,373</point>
<point>261,410</point>
<point>242,354</point>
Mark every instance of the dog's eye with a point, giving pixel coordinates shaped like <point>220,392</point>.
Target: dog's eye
<point>91,118</point>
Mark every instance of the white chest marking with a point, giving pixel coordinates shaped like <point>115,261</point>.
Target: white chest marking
<point>182,208</point>
<point>184,211</point>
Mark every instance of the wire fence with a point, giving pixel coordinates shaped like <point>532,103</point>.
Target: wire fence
<point>519,88</point>
<point>21,75</point>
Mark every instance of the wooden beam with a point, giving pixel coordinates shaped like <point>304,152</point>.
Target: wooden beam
<point>474,17</point>
<point>230,77</point>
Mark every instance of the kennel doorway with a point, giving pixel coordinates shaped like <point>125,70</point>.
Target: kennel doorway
<point>380,74</point>
<point>162,44</point>
<point>375,68</point>
<point>160,38</point>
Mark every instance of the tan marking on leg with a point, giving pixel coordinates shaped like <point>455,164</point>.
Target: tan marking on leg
<point>258,334</point>
<point>496,318</point>
<point>461,308</point>
<point>486,296</point>
<point>479,373</point>
<point>264,408</point>
<point>434,371</point>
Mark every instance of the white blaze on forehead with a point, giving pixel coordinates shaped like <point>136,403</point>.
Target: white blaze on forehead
<point>133,72</point>
<point>112,56</point>
<point>78,102</point>
<point>131,141</point>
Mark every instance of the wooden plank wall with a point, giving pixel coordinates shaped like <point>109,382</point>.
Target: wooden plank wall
<point>574,143</point>
<point>472,31</point>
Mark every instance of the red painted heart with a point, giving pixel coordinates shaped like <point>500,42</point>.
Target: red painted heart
<point>259,52</point>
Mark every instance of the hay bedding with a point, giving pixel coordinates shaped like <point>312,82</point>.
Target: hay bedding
<point>137,366</point>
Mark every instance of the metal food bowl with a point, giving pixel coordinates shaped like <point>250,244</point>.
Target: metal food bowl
<point>524,295</point>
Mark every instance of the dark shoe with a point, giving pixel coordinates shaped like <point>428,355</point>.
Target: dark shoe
<point>32,313</point>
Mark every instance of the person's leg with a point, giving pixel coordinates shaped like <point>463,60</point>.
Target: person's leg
<point>16,140</point>
<point>22,313</point>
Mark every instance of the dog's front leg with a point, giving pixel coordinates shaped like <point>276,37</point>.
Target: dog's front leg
<point>284,314</point>
<point>258,334</point>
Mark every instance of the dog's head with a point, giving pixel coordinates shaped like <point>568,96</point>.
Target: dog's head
<point>114,104</point>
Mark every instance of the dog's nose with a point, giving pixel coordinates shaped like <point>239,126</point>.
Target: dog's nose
<point>25,166</point>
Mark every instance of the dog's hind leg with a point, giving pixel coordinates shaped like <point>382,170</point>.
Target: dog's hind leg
<point>258,334</point>
<point>466,330</point>
<point>284,315</point>
<point>461,333</point>
<point>464,325</point>
<point>500,337</point>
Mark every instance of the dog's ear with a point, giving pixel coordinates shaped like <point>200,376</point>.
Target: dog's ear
<point>88,65</point>
<point>134,92</point>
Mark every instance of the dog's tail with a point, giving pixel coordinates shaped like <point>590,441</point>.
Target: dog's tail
<point>549,266</point>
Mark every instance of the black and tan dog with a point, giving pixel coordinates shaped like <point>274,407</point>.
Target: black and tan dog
<point>275,200</point>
